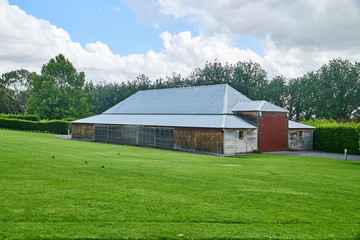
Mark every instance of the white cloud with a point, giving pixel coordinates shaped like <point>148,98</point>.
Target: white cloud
<point>27,42</point>
<point>292,45</point>
<point>116,9</point>
<point>298,35</point>
<point>322,23</point>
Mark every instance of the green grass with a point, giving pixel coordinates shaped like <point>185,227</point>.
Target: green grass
<point>155,194</point>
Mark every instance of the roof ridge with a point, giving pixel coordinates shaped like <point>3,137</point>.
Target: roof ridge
<point>226,95</point>
<point>175,88</point>
<point>263,102</point>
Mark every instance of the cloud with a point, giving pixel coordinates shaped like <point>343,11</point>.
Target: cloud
<point>302,23</point>
<point>28,42</point>
<point>290,48</point>
<point>297,35</point>
<point>116,9</point>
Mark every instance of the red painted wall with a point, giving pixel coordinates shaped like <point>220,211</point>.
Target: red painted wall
<point>273,133</point>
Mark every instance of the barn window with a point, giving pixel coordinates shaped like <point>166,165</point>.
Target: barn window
<point>241,134</point>
<point>301,134</point>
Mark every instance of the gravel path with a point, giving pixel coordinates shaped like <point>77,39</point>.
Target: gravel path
<point>63,136</point>
<point>319,154</point>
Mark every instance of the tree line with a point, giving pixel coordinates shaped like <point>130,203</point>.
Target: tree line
<point>59,91</point>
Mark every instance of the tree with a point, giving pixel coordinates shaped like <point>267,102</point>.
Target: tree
<point>14,91</point>
<point>249,79</point>
<point>339,88</point>
<point>276,91</point>
<point>107,95</point>
<point>212,73</point>
<point>302,97</point>
<point>333,91</point>
<point>246,77</point>
<point>60,91</point>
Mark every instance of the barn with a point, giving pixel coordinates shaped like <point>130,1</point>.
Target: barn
<point>213,119</point>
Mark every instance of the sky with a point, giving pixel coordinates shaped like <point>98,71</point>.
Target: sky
<point>117,40</point>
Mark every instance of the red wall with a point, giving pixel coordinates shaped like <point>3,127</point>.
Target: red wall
<point>273,133</point>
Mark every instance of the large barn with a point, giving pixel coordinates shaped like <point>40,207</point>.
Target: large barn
<point>213,119</point>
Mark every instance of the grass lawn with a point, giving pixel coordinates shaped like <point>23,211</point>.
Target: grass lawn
<point>47,191</point>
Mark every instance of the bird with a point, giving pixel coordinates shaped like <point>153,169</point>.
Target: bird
<point>85,162</point>
<point>53,157</point>
<point>102,166</point>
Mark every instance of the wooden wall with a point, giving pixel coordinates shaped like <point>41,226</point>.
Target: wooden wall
<point>300,139</point>
<point>82,131</point>
<point>195,139</point>
<point>188,139</point>
<point>234,145</point>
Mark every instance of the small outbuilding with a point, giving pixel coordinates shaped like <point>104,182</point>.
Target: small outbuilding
<point>300,136</point>
<point>214,119</point>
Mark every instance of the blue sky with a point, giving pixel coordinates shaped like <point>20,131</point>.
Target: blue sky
<point>121,39</point>
<point>111,22</point>
<point>114,23</point>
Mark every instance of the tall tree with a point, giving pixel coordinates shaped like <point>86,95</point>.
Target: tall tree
<point>60,91</point>
<point>333,91</point>
<point>246,77</point>
<point>276,91</point>
<point>249,78</point>
<point>302,96</point>
<point>339,87</point>
<point>212,73</point>
<point>14,91</point>
<point>107,95</point>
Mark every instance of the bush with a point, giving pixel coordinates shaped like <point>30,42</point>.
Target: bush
<point>23,117</point>
<point>358,130</point>
<point>330,136</point>
<point>54,126</point>
<point>70,119</point>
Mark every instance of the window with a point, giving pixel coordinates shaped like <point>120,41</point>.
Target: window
<point>241,134</point>
<point>301,133</point>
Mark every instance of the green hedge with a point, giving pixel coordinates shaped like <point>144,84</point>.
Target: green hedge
<point>23,117</point>
<point>336,138</point>
<point>54,126</point>
<point>358,131</point>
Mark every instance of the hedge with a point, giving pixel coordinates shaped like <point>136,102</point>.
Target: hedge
<point>358,131</point>
<point>336,138</point>
<point>54,126</point>
<point>23,117</point>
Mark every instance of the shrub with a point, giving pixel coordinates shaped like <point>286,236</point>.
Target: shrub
<point>330,136</point>
<point>54,126</point>
<point>23,117</point>
<point>70,119</point>
<point>358,131</point>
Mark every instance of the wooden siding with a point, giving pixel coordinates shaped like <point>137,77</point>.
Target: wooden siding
<point>301,139</point>
<point>234,145</point>
<point>82,131</point>
<point>206,140</point>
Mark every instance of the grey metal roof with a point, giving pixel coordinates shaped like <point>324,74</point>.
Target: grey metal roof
<point>211,99</point>
<point>198,121</point>
<point>260,106</point>
<point>296,125</point>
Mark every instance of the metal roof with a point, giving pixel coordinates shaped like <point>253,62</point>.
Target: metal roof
<point>198,121</point>
<point>296,125</point>
<point>211,99</point>
<point>209,106</point>
<point>259,106</point>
